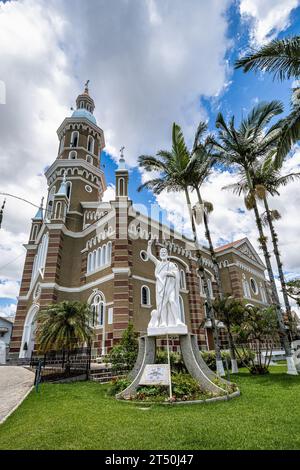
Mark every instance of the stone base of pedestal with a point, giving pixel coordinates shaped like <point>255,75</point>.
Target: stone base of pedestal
<point>195,364</point>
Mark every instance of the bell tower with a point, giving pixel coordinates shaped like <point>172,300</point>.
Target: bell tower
<point>77,166</point>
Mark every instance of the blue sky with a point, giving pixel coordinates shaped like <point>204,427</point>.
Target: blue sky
<point>149,63</point>
<point>242,93</point>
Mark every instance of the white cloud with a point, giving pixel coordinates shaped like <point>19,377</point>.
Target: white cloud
<point>109,194</point>
<point>8,310</point>
<point>268,17</point>
<point>145,62</point>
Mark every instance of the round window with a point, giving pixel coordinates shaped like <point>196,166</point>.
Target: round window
<point>88,188</point>
<point>143,255</point>
<point>253,286</point>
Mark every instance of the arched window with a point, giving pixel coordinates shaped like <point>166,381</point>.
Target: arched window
<point>98,261</point>
<point>210,289</point>
<point>72,155</point>
<point>145,295</point>
<point>94,260</point>
<point>181,308</point>
<point>103,255</point>
<point>49,207</point>
<point>62,144</point>
<point>89,159</point>
<point>182,279</point>
<point>58,210</point>
<point>121,188</point>
<point>90,144</point>
<point>108,253</point>
<point>28,337</point>
<point>74,139</point>
<point>89,263</point>
<point>98,311</point>
<point>40,258</point>
<point>246,288</point>
<point>69,187</point>
<point>34,232</point>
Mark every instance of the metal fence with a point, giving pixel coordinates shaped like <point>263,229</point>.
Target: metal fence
<point>59,365</point>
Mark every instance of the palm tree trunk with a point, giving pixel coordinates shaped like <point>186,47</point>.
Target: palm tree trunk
<point>220,367</point>
<point>278,260</point>
<point>234,367</point>
<point>211,247</point>
<point>275,299</point>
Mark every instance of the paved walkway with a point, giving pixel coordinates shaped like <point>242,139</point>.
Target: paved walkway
<point>15,383</point>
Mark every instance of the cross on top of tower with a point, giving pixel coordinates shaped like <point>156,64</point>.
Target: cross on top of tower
<point>86,87</point>
<point>122,152</point>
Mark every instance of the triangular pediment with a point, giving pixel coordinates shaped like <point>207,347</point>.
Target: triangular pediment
<point>245,247</point>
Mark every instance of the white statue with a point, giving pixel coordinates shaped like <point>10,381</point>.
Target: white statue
<point>166,317</point>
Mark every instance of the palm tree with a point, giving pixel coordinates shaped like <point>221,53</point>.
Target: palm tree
<point>266,181</point>
<point>280,57</point>
<point>243,148</point>
<point>64,326</point>
<point>176,169</point>
<point>205,163</point>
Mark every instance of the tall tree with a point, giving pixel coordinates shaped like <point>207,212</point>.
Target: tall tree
<point>266,182</point>
<point>242,148</point>
<point>176,169</point>
<point>280,57</point>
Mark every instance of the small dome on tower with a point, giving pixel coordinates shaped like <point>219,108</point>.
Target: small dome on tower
<point>85,105</point>
<point>84,113</point>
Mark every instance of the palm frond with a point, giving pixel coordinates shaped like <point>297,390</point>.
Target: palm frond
<point>280,57</point>
<point>290,135</point>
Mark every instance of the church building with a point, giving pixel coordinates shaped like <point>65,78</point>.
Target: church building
<point>81,248</point>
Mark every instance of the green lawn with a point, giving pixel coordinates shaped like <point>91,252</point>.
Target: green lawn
<point>81,416</point>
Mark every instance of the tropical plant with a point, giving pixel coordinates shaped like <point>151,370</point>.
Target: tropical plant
<point>123,355</point>
<point>176,171</point>
<point>257,331</point>
<point>64,326</point>
<point>242,148</point>
<point>293,290</point>
<point>266,181</point>
<point>280,57</point>
<point>230,311</point>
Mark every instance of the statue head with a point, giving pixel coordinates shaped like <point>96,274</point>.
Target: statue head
<point>163,254</point>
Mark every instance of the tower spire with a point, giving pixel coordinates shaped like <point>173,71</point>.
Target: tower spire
<point>39,214</point>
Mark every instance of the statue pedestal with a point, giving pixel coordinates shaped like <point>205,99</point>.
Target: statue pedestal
<point>167,330</point>
<point>194,363</point>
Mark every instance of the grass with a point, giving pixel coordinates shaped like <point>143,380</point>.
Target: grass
<point>82,416</point>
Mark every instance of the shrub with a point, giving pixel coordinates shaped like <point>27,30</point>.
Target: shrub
<point>176,361</point>
<point>117,385</point>
<point>243,358</point>
<point>123,355</point>
<point>184,388</point>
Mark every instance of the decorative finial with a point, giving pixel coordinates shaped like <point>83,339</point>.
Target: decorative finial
<point>122,152</point>
<point>86,86</point>
<point>65,177</point>
<point>42,203</point>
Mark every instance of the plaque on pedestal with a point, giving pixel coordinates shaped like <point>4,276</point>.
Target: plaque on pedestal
<point>155,374</point>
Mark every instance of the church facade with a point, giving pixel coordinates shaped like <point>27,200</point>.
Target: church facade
<point>81,248</point>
